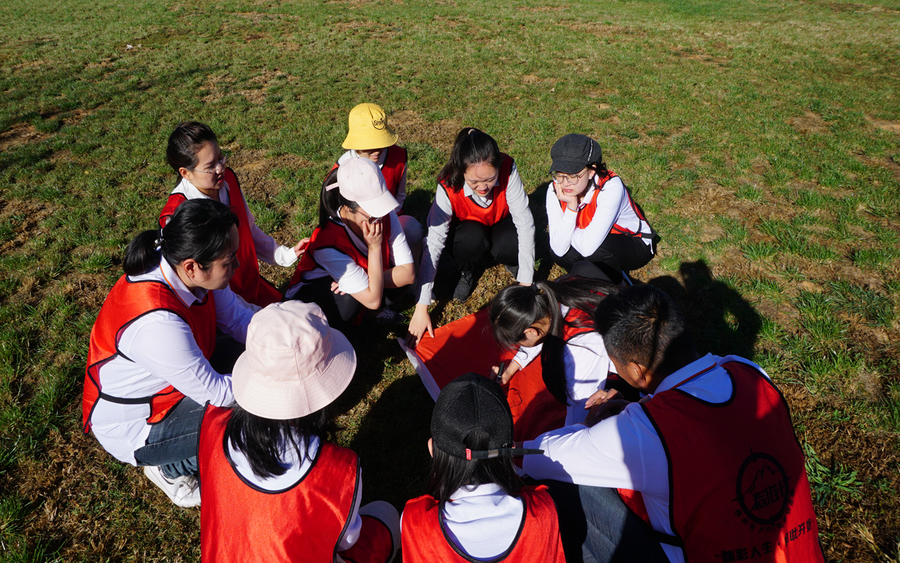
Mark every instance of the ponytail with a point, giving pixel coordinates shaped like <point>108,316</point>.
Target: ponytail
<point>331,200</point>
<point>199,229</point>
<point>471,147</point>
<point>517,307</point>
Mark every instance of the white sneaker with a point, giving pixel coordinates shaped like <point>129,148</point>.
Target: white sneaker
<point>183,491</point>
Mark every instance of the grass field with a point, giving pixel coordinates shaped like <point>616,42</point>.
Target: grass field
<point>761,137</point>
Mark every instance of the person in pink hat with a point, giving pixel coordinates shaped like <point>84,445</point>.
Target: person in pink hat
<point>273,488</point>
<point>357,258</point>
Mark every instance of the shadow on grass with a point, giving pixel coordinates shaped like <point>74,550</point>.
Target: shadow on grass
<point>721,320</point>
<point>392,443</point>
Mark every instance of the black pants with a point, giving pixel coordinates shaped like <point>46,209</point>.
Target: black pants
<point>474,243</point>
<point>616,254</point>
<point>340,309</point>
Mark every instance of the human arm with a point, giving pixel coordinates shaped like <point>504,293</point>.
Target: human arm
<point>517,200</point>
<point>609,203</point>
<point>267,249</point>
<point>233,314</point>
<point>438,224</point>
<point>403,272</point>
<point>371,296</point>
<point>182,365</point>
<point>560,222</point>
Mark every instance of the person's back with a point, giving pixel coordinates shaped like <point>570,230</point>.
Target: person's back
<point>273,488</point>
<point>476,507</point>
<point>710,450</point>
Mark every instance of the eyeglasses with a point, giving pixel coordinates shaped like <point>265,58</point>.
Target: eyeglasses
<point>369,219</point>
<point>568,179</point>
<point>217,168</point>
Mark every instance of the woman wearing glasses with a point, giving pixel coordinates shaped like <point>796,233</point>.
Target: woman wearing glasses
<point>194,154</point>
<point>357,258</point>
<point>596,229</point>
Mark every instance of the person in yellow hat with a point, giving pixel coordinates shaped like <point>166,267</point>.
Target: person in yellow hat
<point>371,137</point>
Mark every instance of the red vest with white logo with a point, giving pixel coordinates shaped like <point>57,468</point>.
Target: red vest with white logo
<point>246,280</point>
<point>465,209</point>
<point>424,539</point>
<point>585,215</point>
<point>738,483</point>
<point>335,236</point>
<point>302,523</point>
<point>126,302</point>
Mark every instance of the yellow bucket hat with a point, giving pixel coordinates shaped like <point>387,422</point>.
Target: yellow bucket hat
<point>369,129</point>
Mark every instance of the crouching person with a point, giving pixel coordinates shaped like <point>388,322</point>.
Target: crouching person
<point>273,488</point>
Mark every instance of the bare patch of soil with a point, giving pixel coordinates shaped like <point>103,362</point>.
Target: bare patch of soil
<point>810,123</point>
<point>20,134</point>
<point>414,129</point>
<point>27,215</point>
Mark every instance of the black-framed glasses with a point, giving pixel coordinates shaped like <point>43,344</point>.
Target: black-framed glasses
<point>568,179</point>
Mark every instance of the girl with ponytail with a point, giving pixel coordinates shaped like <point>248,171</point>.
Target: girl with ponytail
<point>555,320</point>
<point>154,358</point>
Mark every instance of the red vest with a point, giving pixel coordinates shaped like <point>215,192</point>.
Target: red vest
<point>393,168</point>
<point>738,483</point>
<point>302,523</point>
<point>585,215</point>
<point>246,280</point>
<point>465,209</point>
<point>577,322</point>
<point>335,236</point>
<point>126,302</point>
<point>424,539</point>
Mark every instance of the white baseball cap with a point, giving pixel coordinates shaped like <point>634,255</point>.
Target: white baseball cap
<point>360,180</point>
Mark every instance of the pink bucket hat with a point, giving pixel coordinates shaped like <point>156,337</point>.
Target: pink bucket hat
<point>360,180</point>
<point>294,364</point>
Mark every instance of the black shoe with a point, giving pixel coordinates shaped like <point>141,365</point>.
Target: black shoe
<point>465,287</point>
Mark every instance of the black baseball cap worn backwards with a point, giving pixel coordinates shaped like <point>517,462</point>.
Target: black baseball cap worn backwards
<point>573,152</point>
<point>472,404</point>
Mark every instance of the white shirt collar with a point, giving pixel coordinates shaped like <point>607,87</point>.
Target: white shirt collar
<point>381,158</point>
<point>191,191</point>
<point>187,296</point>
<point>705,363</point>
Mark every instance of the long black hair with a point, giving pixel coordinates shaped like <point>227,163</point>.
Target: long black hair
<point>450,473</point>
<point>331,201</point>
<point>199,229</point>
<point>185,142</point>
<point>263,440</point>
<point>517,307</point>
<point>472,146</point>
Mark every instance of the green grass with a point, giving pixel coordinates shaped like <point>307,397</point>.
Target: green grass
<point>760,138</point>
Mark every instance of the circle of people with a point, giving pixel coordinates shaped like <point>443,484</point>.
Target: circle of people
<point>638,448</point>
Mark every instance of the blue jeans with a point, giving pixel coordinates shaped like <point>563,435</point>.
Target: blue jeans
<point>174,441</point>
<point>597,527</point>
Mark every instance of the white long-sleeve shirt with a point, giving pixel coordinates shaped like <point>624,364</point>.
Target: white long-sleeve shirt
<point>613,207</point>
<point>586,367</point>
<point>267,249</point>
<point>625,451</point>
<point>439,226</point>
<point>157,350</point>
<point>350,276</point>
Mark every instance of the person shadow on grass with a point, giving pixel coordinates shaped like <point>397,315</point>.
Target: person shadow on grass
<point>721,320</point>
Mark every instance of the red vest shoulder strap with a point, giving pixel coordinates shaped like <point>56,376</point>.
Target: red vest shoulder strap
<point>424,539</point>
<point>169,208</point>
